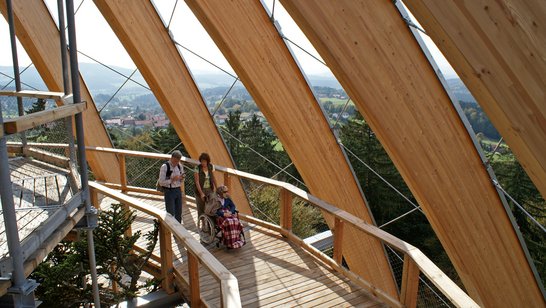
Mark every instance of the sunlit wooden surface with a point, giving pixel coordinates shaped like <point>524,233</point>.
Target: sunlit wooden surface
<point>38,190</point>
<point>270,271</point>
<point>380,65</point>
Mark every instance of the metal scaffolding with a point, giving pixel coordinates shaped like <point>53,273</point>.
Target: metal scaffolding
<point>21,293</point>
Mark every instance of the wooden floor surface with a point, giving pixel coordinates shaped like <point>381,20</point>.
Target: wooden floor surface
<point>271,272</point>
<point>38,190</point>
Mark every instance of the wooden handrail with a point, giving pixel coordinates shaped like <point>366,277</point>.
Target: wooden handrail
<point>413,257</point>
<point>228,282</point>
<point>25,122</point>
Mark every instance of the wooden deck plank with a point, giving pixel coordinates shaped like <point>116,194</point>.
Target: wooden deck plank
<point>40,192</point>
<point>65,192</point>
<point>31,182</point>
<point>52,193</point>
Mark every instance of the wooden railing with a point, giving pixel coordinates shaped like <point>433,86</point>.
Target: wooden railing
<point>415,262</point>
<point>197,254</point>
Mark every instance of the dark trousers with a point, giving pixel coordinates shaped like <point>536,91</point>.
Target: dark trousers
<point>173,203</point>
<point>200,202</point>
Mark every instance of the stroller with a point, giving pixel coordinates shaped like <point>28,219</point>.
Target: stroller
<point>227,231</point>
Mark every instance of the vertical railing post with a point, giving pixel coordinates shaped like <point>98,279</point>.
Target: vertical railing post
<point>129,231</point>
<point>193,270</point>
<point>227,180</point>
<point>286,209</point>
<point>166,250</point>
<point>94,197</point>
<point>338,240</point>
<point>410,283</point>
<point>122,172</point>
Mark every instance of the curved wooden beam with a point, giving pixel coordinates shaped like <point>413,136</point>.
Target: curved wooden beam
<point>144,36</point>
<point>372,53</point>
<point>498,48</point>
<point>243,32</point>
<point>39,34</point>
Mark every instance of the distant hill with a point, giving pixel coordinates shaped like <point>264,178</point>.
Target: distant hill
<point>460,91</point>
<point>102,80</point>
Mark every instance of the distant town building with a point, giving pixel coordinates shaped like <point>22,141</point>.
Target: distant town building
<point>161,123</point>
<point>114,121</point>
<point>143,122</point>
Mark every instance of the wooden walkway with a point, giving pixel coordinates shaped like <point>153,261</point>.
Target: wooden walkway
<point>38,190</point>
<point>271,272</point>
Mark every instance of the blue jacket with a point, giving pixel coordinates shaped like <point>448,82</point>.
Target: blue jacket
<point>228,205</point>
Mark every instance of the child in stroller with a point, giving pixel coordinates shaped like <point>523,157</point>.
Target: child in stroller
<point>225,225</point>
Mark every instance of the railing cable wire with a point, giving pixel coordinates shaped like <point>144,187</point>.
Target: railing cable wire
<point>119,89</point>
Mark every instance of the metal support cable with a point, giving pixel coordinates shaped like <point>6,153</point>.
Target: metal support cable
<point>422,280</point>
<point>382,178</point>
<point>303,49</point>
<point>272,17</point>
<point>487,162</point>
<point>133,137</point>
<point>12,79</point>
<point>155,163</point>
<point>116,71</point>
<point>172,15</point>
<point>497,184</point>
<point>409,22</point>
<point>224,97</point>
<point>204,59</point>
<point>6,75</point>
<point>342,111</point>
<point>265,158</point>
<point>399,217</point>
<point>119,89</point>
<point>78,8</point>
<point>272,177</point>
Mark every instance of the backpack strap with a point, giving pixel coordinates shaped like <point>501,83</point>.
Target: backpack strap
<point>169,171</point>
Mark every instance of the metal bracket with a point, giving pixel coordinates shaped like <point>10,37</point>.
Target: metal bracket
<point>89,221</point>
<point>26,289</point>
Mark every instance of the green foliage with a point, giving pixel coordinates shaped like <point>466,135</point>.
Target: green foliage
<point>479,120</point>
<point>64,275</point>
<point>166,140</point>
<point>517,184</point>
<point>256,138</point>
<point>114,250</point>
<point>307,220</point>
<point>39,105</point>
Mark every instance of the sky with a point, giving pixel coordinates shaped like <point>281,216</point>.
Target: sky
<point>96,39</point>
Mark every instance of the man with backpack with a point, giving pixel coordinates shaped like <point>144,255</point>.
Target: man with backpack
<point>171,175</point>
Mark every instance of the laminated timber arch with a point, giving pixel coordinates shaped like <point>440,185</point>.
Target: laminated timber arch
<point>249,41</point>
<point>368,47</point>
<point>498,48</point>
<point>40,37</point>
<point>144,36</point>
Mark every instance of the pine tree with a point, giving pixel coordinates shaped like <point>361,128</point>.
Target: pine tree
<point>63,276</point>
<point>38,105</point>
<point>233,127</point>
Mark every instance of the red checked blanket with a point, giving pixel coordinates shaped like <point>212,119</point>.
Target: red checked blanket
<point>231,228</point>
